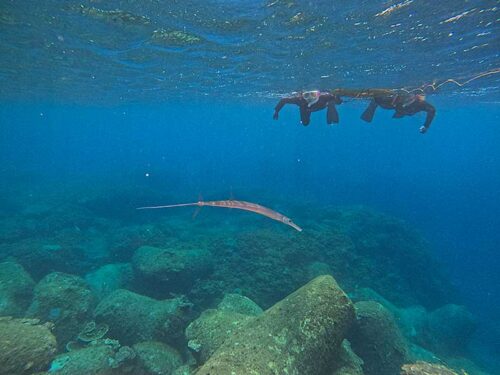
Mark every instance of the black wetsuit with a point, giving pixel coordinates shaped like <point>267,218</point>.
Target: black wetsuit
<point>403,106</point>
<point>326,100</point>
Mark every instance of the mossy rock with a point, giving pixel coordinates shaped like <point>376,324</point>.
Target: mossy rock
<point>25,346</point>
<point>376,338</point>
<point>175,269</point>
<point>132,317</point>
<point>424,368</point>
<point>64,300</point>
<point>157,358</point>
<point>207,333</point>
<point>299,335</point>
<point>239,304</point>
<point>16,289</point>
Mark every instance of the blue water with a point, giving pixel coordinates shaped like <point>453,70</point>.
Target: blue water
<point>89,102</point>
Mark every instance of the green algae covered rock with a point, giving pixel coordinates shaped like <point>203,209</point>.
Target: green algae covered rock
<point>348,363</point>
<point>207,333</point>
<point>25,346</point>
<point>156,358</point>
<point>424,368</point>
<point>447,330</point>
<point>103,358</point>
<point>176,269</point>
<point>64,300</point>
<point>109,278</point>
<point>239,304</point>
<point>16,289</point>
<point>132,317</point>
<point>376,338</point>
<point>299,335</point>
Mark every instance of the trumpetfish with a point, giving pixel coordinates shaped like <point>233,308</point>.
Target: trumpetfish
<point>240,205</point>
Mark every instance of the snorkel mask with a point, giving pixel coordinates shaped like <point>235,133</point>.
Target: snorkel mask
<point>311,97</point>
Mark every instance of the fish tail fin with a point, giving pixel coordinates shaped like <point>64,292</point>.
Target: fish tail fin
<point>196,212</point>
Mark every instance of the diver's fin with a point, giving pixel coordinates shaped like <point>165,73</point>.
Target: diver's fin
<point>369,112</point>
<point>332,116</point>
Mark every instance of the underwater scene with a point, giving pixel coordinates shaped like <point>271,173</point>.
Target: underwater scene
<point>264,187</point>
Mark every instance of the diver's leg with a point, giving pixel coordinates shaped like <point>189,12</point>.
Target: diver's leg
<point>305,117</point>
<point>332,116</point>
<point>369,112</point>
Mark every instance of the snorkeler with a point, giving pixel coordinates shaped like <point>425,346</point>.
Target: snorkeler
<point>312,101</point>
<point>404,105</point>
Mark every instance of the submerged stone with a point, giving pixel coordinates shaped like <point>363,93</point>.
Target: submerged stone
<point>376,338</point>
<point>64,300</point>
<point>25,346</point>
<point>176,269</point>
<point>16,289</point>
<point>448,330</point>
<point>156,358</point>
<point>424,368</point>
<point>207,333</point>
<point>95,360</point>
<point>132,317</point>
<point>239,304</point>
<point>348,363</point>
<point>109,278</point>
<point>298,335</point>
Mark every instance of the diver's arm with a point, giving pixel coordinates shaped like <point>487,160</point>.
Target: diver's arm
<point>370,111</point>
<point>282,102</point>
<point>431,112</point>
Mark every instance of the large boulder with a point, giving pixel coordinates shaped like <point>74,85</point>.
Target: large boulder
<point>448,330</point>
<point>157,358</point>
<point>64,300</point>
<point>101,358</point>
<point>239,304</point>
<point>207,333</point>
<point>175,268</point>
<point>25,346</point>
<point>376,338</point>
<point>299,335</point>
<point>16,289</point>
<point>424,368</point>
<point>348,363</point>
<point>109,278</point>
<point>132,317</point>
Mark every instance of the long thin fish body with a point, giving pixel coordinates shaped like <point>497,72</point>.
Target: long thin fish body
<point>240,205</point>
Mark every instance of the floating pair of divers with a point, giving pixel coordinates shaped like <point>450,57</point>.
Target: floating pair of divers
<point>404,104</point>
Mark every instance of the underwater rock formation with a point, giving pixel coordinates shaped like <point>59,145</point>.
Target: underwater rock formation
<point>424,368</point>
<point>25,346</point>
<point>41,257</point>
<point>207,333</point>
<point>103,358</point>
<point>132,317</point>
<point>298,335</point>
<point>447,330</point>
<point>347,362</point>
<point>109,278</point>
<point>376,338</point>
<point>16,289</point>
<point>157,358</point>
<point>239,304</point>
<point>176,269</point>
<point>389,256</point>
<point>64,300</point>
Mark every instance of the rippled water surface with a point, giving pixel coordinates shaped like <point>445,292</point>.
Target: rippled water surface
<point>122,51</point>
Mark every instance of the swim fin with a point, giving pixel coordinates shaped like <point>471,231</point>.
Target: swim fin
<point>369,112</point>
